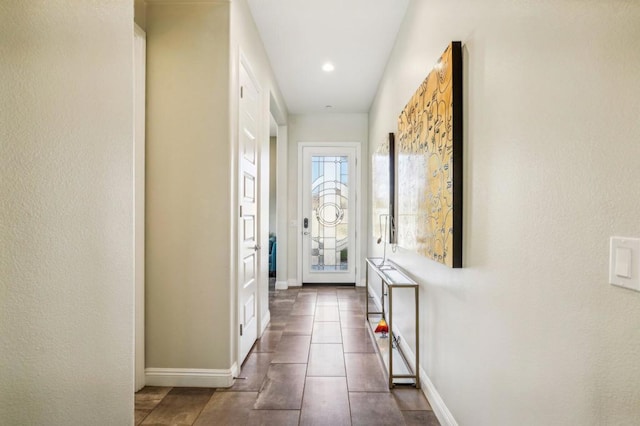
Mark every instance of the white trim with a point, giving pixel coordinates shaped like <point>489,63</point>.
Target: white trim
<point>376,299</point>
<point>294,283</point>
<point>182,2</point>
<point>191,377</point>
<point>265,320</point>
<point>440,409</point>
<point>282,182</point>
<point>139,101</point>
<point>359,197</point>
<point>435,400</point>
<point>137,29</point>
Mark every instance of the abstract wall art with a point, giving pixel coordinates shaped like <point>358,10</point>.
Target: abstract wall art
<point>429,162</point>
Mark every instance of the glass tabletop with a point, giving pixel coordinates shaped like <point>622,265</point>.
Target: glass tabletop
<point>390,272</point>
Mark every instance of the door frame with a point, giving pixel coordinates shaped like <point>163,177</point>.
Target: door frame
<point>282,199</point>
<point>140,55</point>
<point>358,200</point>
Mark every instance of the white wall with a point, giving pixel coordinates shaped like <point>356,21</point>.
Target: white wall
<point>323,128</point>
<point>530,332</point>
<point>66,213</point>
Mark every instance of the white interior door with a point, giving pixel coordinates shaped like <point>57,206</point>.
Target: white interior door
<point>248,195</point>
<point>328,214</point>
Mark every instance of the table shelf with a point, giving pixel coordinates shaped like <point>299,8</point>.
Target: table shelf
<point>393,278</point>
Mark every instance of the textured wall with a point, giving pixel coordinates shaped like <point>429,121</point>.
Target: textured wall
<point>530,332</point>
<point>66,212</point>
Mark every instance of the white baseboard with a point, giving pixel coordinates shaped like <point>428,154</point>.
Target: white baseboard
<point>376,299</point>
<point>191,377</point>
<point>294,283</point>
<point>281,285</point>
<point>433,396</point>
<point>430,392</point>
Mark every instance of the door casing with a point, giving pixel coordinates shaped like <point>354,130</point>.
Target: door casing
<point>140,42</point>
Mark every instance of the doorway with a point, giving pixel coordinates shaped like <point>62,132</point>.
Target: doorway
<point>273,197</point>
<point>328,192</point>
<point>278,216</point>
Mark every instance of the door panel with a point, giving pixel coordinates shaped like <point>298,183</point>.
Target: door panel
<point>248,194</point>
<point>328,241</point>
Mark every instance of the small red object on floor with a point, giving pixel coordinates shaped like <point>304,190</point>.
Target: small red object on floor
<point>382,327</point>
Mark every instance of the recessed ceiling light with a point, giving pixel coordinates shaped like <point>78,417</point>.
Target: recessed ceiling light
<point>328,67</point>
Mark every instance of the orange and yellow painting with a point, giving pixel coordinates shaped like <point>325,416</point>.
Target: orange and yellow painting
<point>429,163</point>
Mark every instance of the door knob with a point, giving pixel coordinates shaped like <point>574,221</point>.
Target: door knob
<point>257,247</point>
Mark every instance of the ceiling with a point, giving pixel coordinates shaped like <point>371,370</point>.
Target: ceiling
<point>356,36</point>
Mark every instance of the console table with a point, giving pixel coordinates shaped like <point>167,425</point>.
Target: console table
<point>392,278</point>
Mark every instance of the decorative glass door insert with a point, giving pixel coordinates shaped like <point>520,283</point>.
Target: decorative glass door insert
<point>329,213</point>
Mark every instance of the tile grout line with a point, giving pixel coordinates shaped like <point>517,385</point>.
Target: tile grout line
<point>346,373</point>
<point>203,407</point>
<point>154,407</point>
<point>304,386</point>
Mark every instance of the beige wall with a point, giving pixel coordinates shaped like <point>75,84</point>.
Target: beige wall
<point>140,13</point>
<point>66,213</point>
<point>322,128</point>
<point>194,52</point>
<point>530,332</point>
<point>188,169</point>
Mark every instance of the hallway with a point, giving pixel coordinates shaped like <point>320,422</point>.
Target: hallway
<point>315,364</point>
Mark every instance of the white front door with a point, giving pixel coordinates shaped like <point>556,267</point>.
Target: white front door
<point>328,214</point>
<point>247,224</point>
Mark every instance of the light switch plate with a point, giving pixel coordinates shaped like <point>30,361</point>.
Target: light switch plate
<point>624,262</point>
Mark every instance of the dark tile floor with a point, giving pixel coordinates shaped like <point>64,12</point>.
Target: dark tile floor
<point>314,365</point>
